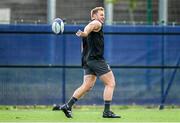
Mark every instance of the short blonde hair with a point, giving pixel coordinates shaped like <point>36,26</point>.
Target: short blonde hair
<point>95,10</point>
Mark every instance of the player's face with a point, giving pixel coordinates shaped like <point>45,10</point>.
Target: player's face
<point>100,16</point>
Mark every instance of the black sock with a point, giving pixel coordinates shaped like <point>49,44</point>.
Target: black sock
<point>107,106</point>
<point>71,101</point>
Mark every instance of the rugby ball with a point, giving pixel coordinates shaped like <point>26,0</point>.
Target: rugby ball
<point>58,26</point>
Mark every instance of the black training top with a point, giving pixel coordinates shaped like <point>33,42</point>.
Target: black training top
<point>93,47</point>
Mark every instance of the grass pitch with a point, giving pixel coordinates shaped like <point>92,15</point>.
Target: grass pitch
<point>88,114</point>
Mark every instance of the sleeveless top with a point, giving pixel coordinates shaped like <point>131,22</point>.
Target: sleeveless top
<point>93,47</point>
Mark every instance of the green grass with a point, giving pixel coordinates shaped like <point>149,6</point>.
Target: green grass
<point>88,114</point>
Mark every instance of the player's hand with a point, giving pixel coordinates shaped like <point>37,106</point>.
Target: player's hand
<point>79,33</point>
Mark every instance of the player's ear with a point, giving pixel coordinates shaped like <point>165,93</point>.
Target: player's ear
<point>92,17</point>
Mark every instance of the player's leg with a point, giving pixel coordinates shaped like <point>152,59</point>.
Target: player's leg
<point>109,82</point>
<point>102,69</point>
<point>88,83</point>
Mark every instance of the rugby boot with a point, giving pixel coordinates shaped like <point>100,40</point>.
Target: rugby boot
<point>67,110</point>
<point>110,114</point>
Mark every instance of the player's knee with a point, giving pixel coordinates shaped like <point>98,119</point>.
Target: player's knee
<point>111,84</point>
<point>86,88</point>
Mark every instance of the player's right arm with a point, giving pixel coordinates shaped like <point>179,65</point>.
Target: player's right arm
<point>92,26</point>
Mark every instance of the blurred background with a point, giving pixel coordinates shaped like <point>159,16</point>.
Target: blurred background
<point>77,11</point>
<point>142,45</point>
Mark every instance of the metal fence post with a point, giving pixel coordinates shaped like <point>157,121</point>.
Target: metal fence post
<point>64,70</point>
<point>162,69</point>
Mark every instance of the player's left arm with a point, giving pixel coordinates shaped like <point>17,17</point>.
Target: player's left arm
<point>92,26</point>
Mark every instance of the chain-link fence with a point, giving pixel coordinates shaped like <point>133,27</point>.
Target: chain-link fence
<point>77,11</point>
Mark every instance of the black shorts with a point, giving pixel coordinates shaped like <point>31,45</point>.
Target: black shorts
<point>96,67</point>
